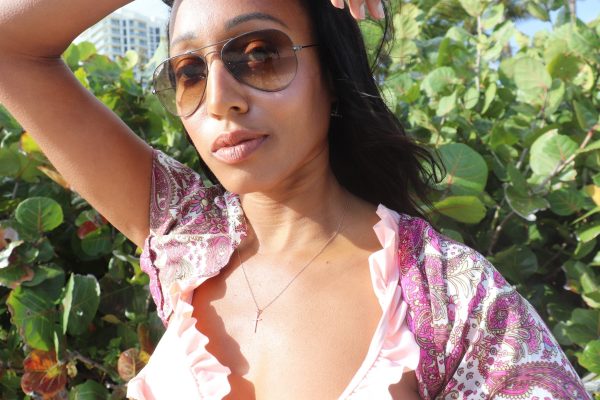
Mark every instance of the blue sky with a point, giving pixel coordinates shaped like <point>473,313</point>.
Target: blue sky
<point>587,10</point>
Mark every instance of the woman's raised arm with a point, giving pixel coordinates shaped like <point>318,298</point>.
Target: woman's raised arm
<point>103,160</point>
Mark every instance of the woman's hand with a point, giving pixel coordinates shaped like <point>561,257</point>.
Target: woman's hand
<point>357,7</point>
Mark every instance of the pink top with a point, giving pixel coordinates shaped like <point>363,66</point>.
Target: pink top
<point>194,231</point>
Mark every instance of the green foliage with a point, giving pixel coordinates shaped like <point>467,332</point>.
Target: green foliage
<point>75,296</point>
<point>515,121</point>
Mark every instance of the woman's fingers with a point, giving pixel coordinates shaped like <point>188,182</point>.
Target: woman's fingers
<point>338,3</point>
<point>358,7</point>
<point>376,8</point>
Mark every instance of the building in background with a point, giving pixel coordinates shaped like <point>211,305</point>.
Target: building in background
<point>126,30</point>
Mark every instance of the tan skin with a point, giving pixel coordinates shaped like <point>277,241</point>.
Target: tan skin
<point>313,339</point>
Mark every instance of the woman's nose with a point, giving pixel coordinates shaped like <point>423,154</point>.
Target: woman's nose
<point>224,93</point>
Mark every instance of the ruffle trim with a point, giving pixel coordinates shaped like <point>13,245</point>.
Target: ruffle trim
<point>393,348</point>
<point>179,257</point>
<point>201,376</point>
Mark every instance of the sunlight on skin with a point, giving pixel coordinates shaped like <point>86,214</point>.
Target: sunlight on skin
<point>357,7</point>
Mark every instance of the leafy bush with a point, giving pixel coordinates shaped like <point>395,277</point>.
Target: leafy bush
<point>513,119</point>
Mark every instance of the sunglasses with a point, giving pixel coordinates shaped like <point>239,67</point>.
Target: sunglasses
<point>265,60</point>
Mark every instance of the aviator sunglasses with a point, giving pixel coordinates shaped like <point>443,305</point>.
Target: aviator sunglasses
<point>265,60</point>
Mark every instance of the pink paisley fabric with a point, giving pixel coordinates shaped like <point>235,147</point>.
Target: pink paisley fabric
<point>447,313</point>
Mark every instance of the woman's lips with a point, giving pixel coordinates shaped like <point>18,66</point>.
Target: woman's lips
<point>236,147</point>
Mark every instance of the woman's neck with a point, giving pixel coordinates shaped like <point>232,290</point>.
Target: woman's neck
<point>302,213</point>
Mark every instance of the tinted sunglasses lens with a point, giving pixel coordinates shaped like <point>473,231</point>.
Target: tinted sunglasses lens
<point>264,60</point>
<point>179,83</point>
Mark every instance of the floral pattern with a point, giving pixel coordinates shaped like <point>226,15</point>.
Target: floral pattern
<point>193,229</point>
<point>478,338</point>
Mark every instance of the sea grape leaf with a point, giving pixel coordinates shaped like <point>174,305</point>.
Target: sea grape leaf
<point>587,117</point>
<point>466,170</point>
<point>44,374</point>
<point>80,303</point>
<point>89,390</point>
<point>438,80</point>
<point>532,80</point>
<point>549,151</point>
<point>97,242</point>
<point>473,7</point>
<point>565,67</point>
<point>565,202</point>
<point>517,263</point>
<point>466,209</point>
<point>526,206</point>
<point>130,362</point>
<point>590,357</point>
<point>34,314</point>
<point>39,213</point>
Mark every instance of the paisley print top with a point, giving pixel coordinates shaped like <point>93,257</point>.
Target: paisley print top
<point>467,333</point>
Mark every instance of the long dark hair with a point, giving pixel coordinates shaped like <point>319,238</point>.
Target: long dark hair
<point>370,154</point>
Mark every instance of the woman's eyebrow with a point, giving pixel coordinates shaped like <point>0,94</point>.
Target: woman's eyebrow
<point>240,19</point>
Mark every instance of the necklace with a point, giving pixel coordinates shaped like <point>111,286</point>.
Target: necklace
<point>259,310</point>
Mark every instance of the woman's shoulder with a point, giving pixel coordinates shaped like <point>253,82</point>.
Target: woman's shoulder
<point>477,334</point>
<point>194,229</point>
<point>183,203</point>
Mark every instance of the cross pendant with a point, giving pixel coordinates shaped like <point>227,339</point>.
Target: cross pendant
<point>258,312</point>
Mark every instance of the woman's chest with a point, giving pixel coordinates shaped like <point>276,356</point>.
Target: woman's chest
<point>309,341</point>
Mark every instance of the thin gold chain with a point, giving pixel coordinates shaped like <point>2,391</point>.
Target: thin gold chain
<point>259,310</point>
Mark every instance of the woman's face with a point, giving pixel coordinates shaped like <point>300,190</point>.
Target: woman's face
<point>283,134</point>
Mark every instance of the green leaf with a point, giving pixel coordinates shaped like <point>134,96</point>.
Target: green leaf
<point>97,243</point>
<point>583,326</point>
<point>565,67</point>
<point>466,209</point>
<point>71,56</point>
<point>405,27</point>
<point>490,94</point>
<point>532,80</point>
<point>86,50</point>
<point>438,81</point>
<point>538,11</point>
<point>588,233</point>
<point>130,60</point>
<point>446,104</point>
<point>9,162</point>
<point>80,303</point>
<point>517,263</point>
<point>565,202</point>
<point>590,357</point>
<point>473,7</point>
<point>471,98</point>
<point>555,97</point>
<point>39,213</point>
<point>583,249</point>
<point>89,390</point>
<point>42,273</point>
<point>517,180</point>
<point>466,170</point>
<point>493,16</point>
<point>587,117</point>
<point>15,275</point>
<point>549,151</point>
<point>34,314</point>
<point>526,206</point>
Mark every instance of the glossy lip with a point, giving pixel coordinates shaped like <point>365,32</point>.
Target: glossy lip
<point>230,139</point>
<point>236,146</point>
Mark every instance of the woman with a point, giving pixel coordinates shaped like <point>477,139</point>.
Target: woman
<point>293,279</point>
